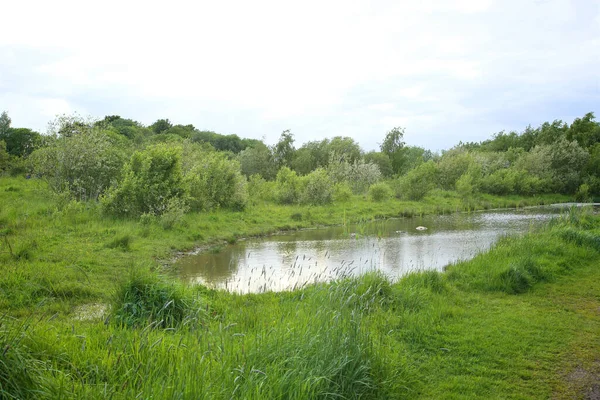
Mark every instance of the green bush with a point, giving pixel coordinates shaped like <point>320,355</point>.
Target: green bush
<point>318,188</point>
<point>216,182</point>
<point>583,193</point>
<point>151,180</point>
<point>342,192</point>
<point>288,186</point>
<point>260,190</point>
<point>380,192</point>
<point>85,164</point>
<point>417,183</point>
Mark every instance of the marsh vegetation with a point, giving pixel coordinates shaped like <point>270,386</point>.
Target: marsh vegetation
<point>88,309</point>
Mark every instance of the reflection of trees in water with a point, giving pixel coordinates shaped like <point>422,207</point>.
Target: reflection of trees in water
<point>214,267</point>
<point>279,263</point>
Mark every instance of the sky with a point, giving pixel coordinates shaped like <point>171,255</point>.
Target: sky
<point>446,71</point>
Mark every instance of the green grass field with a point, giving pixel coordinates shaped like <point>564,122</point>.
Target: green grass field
<point>86,312</point>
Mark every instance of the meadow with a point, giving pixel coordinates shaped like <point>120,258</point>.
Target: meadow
<point>88,311</point>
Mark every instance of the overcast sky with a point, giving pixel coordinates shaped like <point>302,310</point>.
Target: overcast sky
<point>444,70</point>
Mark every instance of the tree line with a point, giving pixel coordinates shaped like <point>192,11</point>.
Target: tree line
<point>165,168</point>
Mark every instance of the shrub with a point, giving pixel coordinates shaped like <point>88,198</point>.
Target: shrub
<point>287,187</point>
<point>418,182</point>
<point>173,215</point>
<point>358,175</point>
<point>583,193</point>
<point>85,164</point>
<point>342,192</point>
<point>380,192</point>
<point>259,189</point>
<point>151,180</point>
<point>216,182</point>
<point>318,188</point>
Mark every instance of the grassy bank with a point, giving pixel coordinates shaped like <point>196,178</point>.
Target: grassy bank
<point>67,253</point>
<point>520,321</point>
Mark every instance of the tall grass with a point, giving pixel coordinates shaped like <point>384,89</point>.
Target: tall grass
<point>147,299</point>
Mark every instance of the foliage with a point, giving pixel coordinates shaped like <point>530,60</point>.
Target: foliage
<point>259,190</point>
<point>216,182</point>
<point>283,151</point>
<point>382,161</point>
<point>452,165</point>
<point>465,186</point>
<point>359,175</point>
<point>161,126</point>
<point>345,147</point>
<point>392,146</point>
<point>304,162</point>
<point>258,160</point>
<point>151,180</point>
<point>288,186</point>
<point>232,143</point>
<point>583,193</point>
<point>417,183</point>
<point>585,131</point>
<point>4,157</point>
<point>567,162</point>
<point>380,192</point>
<point>342,192</point>
<point>318,188</point>
<point>5,122</point>
<point>21,142</point>
<point>85,162</point>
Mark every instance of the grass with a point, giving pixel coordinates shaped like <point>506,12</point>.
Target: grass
<point>515,322</point>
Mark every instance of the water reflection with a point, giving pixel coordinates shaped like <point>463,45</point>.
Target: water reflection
<point>395,247</point>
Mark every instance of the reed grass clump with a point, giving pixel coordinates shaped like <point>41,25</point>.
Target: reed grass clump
<point>122,242</point>
<point>146,298</point>
<point>581,238</point>
<point>521,276</point>
<point>20,374</point>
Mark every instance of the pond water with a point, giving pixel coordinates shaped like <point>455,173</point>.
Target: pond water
<point>395,247</point>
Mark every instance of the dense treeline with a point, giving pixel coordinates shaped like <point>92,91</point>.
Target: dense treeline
<point>165,169</point>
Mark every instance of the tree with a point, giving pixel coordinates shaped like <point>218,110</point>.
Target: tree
<point>344,147</point>
<point>4,124</point>
<point>392,146</point>
<point>382,161</point>
<point>585,131</point>
<point>161,126</point>
<point>258,160</point>
<point>21,141</point>
<point>283,151</point>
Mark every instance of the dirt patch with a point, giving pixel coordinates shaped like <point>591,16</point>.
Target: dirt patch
<point>594,392</point>
<point>584,383</point>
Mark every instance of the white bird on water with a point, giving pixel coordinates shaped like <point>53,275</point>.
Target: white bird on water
<point>421,228</point>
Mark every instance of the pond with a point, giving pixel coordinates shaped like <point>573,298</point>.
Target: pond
<point>395,247</point>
